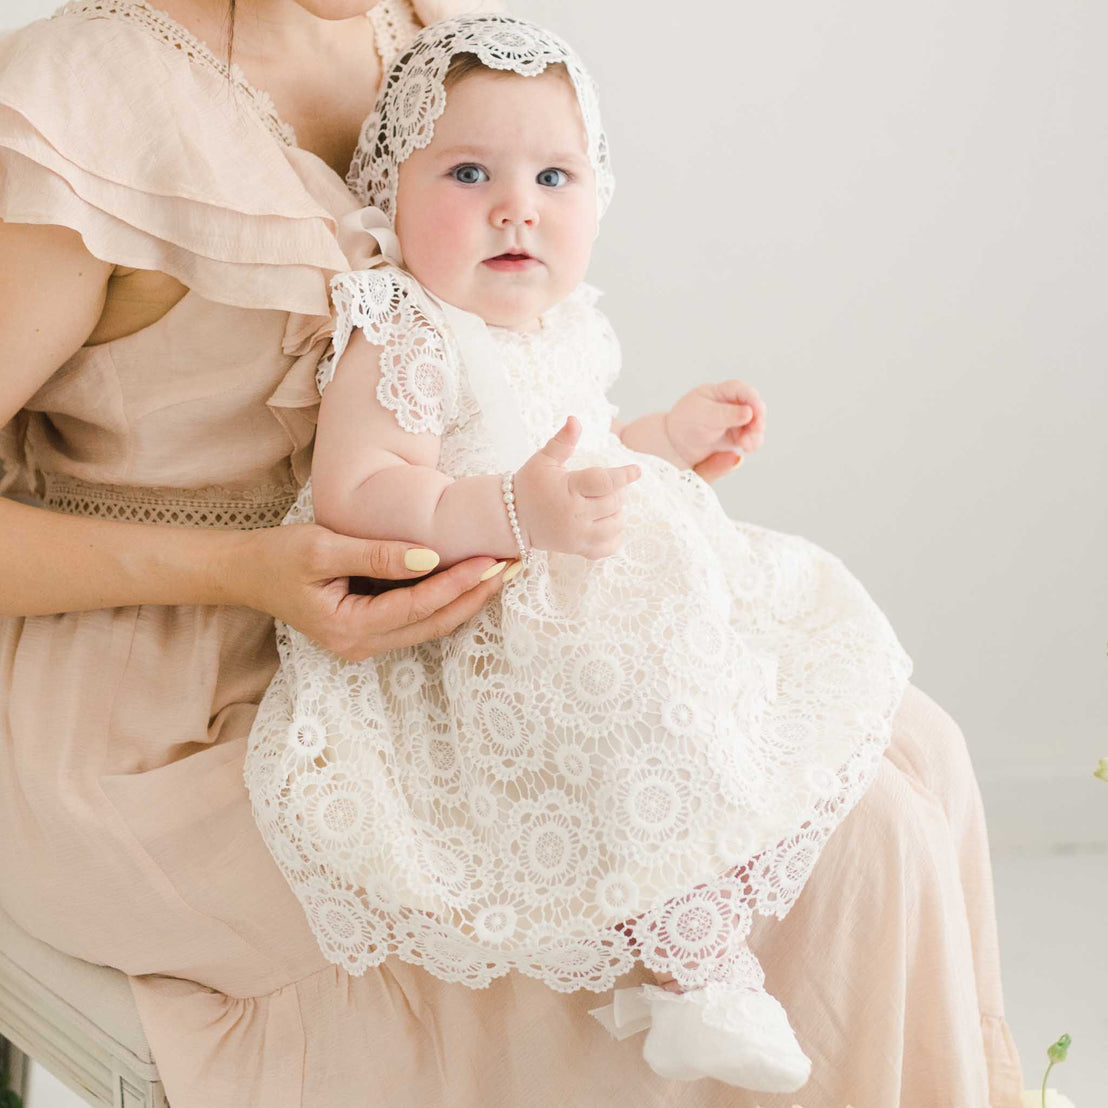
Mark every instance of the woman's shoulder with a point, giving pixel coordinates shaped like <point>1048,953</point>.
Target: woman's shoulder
<point>116,123</point>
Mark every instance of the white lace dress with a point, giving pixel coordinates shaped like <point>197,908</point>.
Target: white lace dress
<point>615,760</point>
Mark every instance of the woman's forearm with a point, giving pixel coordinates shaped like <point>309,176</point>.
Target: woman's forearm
<point>51,562</point>
<point>458,519</point>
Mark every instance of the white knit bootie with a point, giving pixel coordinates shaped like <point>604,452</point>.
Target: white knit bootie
<point>734,1033</point>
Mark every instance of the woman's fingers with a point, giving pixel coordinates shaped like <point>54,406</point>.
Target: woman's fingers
<point>392,561</point>
<point>401,607</point>
<point>716,465</point>
<point>445,619</point>
<point>425,610</point>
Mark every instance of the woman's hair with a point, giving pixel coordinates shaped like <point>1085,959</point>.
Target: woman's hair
<point>230,33</point>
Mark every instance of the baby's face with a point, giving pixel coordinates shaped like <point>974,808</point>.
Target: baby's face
<point>497,215</point>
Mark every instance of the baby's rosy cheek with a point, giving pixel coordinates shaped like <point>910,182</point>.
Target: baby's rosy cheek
<point>455,216</point>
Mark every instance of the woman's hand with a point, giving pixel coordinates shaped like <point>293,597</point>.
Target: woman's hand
<point>576,511</point>
<point>301,574</point>
<point>715,419</point>
<point>718,465</point>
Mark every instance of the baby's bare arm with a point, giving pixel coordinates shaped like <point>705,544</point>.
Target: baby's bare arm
<point>704,429</point>
<point>371,477</point>
<point>647,435</point>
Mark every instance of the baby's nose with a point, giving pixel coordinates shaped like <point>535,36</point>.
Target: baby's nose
<point>514,212</point>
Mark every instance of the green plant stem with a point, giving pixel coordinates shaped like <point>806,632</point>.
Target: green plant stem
<point>1045,1076</point>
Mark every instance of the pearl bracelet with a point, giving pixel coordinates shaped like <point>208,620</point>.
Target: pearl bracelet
<point>508,492</point>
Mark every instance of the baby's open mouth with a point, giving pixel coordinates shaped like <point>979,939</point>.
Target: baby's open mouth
<point>512,261</point>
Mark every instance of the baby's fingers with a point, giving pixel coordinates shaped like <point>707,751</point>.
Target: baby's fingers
<point>734,391</point>
<point>745,404</point>
<point>720,416</point>
<point>336,555</point>
<point>598,481</point>
<point>604,507</point>
<point>604,538</point>
<point>561,446</point>
<point>747,438</point>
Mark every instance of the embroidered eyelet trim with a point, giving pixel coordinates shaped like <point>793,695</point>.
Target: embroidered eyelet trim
<point>213,506</point>
<point>394,26</point>
<point>173,34</point>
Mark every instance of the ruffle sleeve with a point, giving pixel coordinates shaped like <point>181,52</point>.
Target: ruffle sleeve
<point>158,161</point>
<point>419,363</point>
<point>15,465</point>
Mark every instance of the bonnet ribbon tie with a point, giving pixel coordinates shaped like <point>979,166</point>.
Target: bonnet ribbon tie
<point>371,224</point>
<point>484,366</point>
<point>628,1013</point>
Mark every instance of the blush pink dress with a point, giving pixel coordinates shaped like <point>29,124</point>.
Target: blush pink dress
<point>128,835</point>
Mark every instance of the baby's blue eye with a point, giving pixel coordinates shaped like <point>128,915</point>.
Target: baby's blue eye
<point>553,178</point>
<point>469,174</point>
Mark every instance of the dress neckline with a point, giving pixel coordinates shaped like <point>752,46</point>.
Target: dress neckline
<point>394,24</point>
<point>164,27</point>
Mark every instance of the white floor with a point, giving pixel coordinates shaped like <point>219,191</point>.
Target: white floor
<point>1052,913</point>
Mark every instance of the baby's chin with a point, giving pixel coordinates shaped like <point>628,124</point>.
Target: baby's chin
<point>514,308</point>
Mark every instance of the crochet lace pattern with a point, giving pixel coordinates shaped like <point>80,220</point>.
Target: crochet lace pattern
<point>413,96</point>
<point>614,761</point>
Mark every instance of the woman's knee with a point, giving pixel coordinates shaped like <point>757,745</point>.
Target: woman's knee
<point>928,746</point>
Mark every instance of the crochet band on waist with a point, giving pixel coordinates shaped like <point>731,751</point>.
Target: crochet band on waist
<point>213,506</point>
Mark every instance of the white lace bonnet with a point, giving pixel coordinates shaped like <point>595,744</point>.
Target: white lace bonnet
<point>413,96</point>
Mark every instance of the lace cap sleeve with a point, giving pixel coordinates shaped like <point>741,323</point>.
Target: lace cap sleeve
<point>419,374</point>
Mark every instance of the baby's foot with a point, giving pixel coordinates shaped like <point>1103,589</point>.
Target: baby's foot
<point>736,1034</point>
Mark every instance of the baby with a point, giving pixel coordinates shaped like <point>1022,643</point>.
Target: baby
<point>649,733</point>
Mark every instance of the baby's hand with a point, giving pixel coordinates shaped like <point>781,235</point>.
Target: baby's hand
<point>716,418</point>
<point>576,511</point>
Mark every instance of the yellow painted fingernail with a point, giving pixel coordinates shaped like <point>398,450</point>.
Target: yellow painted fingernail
<point>492,571</point>
<point>513,570</point>
<point>420,558</point>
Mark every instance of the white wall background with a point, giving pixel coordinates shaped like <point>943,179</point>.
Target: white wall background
<point>891,218</point>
